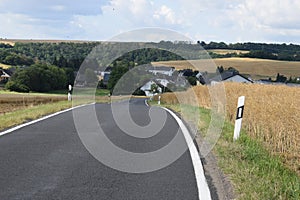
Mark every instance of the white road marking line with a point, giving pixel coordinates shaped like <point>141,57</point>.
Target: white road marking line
<point>146,103</point>
<point>40,119</point>
<point>203,189</point>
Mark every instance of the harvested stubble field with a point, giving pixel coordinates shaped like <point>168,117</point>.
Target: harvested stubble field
<point>227,51</point>
<point>12,102</point>
<point>272,115</point>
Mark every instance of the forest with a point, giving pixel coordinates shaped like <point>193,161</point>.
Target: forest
<point>69,57</point>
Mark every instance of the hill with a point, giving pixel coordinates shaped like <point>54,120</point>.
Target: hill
<point>14,41</point>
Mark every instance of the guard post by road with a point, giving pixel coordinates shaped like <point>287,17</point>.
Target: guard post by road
<point>239,117</point>
<point>69,93</point>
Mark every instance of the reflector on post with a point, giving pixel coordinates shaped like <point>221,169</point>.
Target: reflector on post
<point>239,117</point>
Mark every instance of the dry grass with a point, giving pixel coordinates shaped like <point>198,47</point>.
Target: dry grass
<point>4,66</point>
<point>227,51</point>
<point>272,115</point>
<point>254,67</point>
<point>12,102</point>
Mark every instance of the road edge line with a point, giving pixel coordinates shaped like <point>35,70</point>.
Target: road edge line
<point>203,189</point>
<point>146,102</point>
<point>41,119</point>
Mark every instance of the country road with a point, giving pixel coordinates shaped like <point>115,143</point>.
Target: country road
<point>47,160</point>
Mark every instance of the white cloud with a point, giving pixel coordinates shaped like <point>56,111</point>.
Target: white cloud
<point>58,8</point>
<point>167,15</point>
<point>227,20</point>
<point>266,18</point>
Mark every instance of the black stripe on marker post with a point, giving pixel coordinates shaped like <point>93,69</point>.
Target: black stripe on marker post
<point>240,112</point>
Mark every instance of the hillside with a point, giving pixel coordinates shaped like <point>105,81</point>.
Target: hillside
<point>257,68</point>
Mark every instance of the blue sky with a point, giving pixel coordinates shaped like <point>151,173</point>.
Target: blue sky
<point>209,20</point>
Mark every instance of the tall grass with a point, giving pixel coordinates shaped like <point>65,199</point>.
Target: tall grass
<point>272,115</point>
<point>12,102</point>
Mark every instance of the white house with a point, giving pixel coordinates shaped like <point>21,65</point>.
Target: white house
<point>168,71</point>
<point>163,82</point>
<point>4,76</point>
<point>147,88</point>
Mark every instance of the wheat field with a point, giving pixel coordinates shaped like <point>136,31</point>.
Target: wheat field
<point>257,68</point>
<point>227,51</point>
<point>271,115</point>
<point>13,102</point>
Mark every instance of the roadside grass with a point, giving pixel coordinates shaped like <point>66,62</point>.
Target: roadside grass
<point>254,172</point>
<point>17,108</point>
<point>99,92</point>
<point>24,115</point>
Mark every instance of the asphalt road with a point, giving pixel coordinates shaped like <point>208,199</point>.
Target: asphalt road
<point>47,160</point>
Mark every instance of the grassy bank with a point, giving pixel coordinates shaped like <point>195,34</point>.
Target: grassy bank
<point>23,115</point>
<point>254,172</point>
<point>17,108</point>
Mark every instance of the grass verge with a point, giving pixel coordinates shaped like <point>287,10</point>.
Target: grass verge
<point>253,171</point>
<point>21,116</point>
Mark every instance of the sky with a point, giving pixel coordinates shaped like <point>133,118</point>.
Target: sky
<point>231,21</point>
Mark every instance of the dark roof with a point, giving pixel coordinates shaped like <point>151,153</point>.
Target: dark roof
<point>228,74</point>
<point>108,69</point>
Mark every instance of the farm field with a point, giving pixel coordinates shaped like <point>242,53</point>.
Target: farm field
<point>4,66</point>
<point>10,102</point>
<point>272,115</point>
<point>257,68</point>
<point>227,51</point>
<point>13,41</point>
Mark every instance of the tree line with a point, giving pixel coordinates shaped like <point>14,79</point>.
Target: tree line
<point>66,58</point>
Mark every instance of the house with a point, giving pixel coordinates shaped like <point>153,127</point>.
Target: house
<point>230,76</point>
<point>168,71</point>
<point>106,78</point>
<point>148,88</point>
<point>4,76</point>
<point>163,82</point>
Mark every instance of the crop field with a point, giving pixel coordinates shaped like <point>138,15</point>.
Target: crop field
<point>257,68</point>
<point>13,41</point>
<point>272,115</point>
<point>227,51</point>
<point>4,66</point>
<point>12,102</point>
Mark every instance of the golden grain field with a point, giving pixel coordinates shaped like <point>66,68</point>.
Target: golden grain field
<point>255,67</point>
<point>227,51</point>
<point>12,102</point>
<point>4,66</point>
<point>272,115</point>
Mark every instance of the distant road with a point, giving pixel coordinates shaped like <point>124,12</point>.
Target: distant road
<point>47,160</point>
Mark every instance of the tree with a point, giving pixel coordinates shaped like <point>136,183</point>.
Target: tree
<point>90,77</point>
<point>115,76</point>
<point>281,78</point>
<point>192,80</point>
<point>220,69</point>
<point>38,78</point>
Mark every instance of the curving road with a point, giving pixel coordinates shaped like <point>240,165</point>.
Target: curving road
<point>47,160</point>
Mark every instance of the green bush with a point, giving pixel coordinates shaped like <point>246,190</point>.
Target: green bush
<point>15,86</point>
<point>38,78</point>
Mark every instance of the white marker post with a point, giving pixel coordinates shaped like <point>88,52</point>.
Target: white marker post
<point>159,100</point>
<point>69,93</point>
<point>239,117</point>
